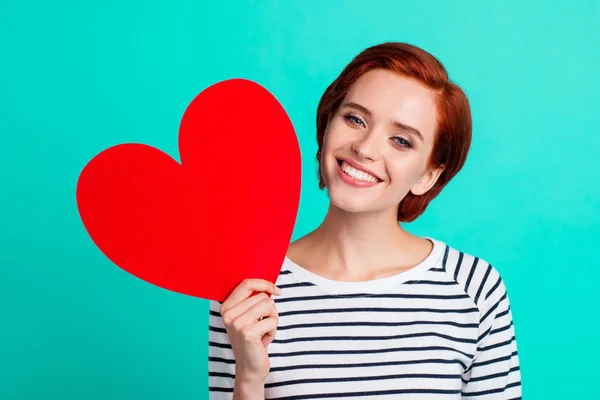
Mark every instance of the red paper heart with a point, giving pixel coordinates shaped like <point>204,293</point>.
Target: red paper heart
<point>226,213</point>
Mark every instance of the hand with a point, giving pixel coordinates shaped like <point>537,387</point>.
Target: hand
<point>251,323</point>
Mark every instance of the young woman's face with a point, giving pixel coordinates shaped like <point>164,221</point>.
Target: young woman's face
<point>377,145</point>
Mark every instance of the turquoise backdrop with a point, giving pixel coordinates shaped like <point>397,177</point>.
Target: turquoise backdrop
<point>77,77</point>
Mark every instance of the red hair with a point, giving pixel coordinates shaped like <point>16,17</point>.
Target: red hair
<point>453,128</point>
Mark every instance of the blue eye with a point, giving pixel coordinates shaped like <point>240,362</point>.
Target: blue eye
<point>403,142</point>
<point>354,119</point>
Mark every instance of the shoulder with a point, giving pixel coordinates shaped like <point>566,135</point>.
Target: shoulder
<point>478,278</point>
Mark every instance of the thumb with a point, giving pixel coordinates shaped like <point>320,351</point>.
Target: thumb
<point>267,339</point>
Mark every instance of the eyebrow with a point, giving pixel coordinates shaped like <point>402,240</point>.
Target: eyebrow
<point>397,124</point>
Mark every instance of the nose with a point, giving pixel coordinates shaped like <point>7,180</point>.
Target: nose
<point>367,147</point>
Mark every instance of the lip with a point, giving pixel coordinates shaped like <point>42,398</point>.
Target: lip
<point>359,167</point>
<point>353,182</point>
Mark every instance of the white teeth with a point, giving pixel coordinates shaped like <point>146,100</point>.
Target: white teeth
<point>356,174</point>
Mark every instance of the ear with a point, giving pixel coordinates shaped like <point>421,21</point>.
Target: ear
<point>427,181</point>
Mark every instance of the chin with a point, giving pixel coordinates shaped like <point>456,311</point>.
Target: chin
<point>354,200</point>
<point>348,206</point>
<point>351,202</point>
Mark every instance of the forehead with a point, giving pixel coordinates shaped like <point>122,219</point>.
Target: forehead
<point>391,96</point>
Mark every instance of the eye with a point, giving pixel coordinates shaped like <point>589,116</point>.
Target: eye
<point>355,119</point>
<point>403,142</point>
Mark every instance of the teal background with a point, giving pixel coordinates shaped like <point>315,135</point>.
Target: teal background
<point>77,77</point>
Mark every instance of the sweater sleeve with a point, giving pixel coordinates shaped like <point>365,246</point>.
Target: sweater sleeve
<point>221,361</point>
<point>494,372</point>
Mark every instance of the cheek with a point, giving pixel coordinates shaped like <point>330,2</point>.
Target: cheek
<point>332,143</point>
<point>337,135</point>
<point>326,157</point>
<point>325,150</point>
<point>405,171</point>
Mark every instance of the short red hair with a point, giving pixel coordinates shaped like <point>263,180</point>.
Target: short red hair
<point>454,125</point>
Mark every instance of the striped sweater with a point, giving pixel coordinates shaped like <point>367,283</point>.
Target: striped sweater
<point>441,330</point>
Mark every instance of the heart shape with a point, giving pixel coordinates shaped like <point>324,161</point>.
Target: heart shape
<point>225,213</point>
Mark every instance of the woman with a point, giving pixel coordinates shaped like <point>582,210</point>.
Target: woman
<point>366,309</point>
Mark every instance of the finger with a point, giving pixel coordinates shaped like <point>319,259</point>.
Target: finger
<point>265,329</point>
<point>263,308</point>
<point>271,329</point>
<point>245,289</point>
<point>244,306</point>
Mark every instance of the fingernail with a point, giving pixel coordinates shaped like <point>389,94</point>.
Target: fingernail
<point>277,290</point>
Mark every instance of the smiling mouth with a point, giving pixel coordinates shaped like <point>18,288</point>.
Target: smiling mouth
<point>356,174</point>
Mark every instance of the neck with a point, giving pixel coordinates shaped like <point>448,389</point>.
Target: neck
<point>350,241</point>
